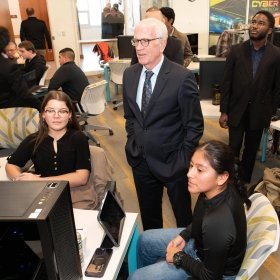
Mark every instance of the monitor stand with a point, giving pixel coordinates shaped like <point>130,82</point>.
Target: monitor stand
<point>107,243</point>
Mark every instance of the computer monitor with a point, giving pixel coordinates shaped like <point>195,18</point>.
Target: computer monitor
<point>37,232</point>
<point>125,47</point>
<point>211,71</point>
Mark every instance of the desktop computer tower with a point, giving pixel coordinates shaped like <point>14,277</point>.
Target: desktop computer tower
<point>37,213</point>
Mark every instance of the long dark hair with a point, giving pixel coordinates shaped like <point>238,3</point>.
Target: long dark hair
<point>222,159</point>
<point>43,127</point>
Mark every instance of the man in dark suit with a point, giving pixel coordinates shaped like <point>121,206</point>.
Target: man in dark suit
<point>162,133</point>
<point>173,49</point>
<point>250,91</point>
<point>36,31</point>
<point>13,89</point>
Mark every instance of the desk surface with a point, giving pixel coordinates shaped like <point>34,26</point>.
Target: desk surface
<point>96,41</point>
<point>209,110</point>
<point>87,220</point>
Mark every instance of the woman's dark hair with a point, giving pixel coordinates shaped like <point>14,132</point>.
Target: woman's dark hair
<point>43,127</point>
<point>4,38</point>
<point>222,159</point>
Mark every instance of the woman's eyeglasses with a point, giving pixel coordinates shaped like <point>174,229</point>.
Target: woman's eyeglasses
<point>60,112</point>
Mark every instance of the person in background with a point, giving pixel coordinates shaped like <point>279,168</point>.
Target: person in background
<point>59,150</point>
<point>173,49</point>
<point>13,88</point>
<point>69,76</point>
<point>12,53</point>
<point>250,90</point>
<point>36,31</point>
<point>169,16</point>
<point>164,124</point>
<point>106,27</point>
<point>33,62</point>
<point>120,15</point>
<point>214,245</point>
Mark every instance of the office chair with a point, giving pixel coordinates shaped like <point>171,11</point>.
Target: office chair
<point>43,79</point>
<point>92,103</point>
<point>90,195</point>
<point>262,236</point>
<point>117,68</point>
<point>16,124</point>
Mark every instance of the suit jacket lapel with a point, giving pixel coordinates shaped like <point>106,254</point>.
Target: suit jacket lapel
<point>248,67</point>
<point>133,86</point>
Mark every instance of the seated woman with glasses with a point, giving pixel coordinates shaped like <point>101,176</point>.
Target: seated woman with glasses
<point>59,150</point>
<point>214,245</point>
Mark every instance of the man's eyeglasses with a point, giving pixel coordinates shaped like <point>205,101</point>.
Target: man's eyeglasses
<point>144,42</point>
<point>60,112</point>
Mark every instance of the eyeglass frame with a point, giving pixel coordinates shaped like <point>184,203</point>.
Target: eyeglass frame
<point>59,112</point>
<point>144,42</point>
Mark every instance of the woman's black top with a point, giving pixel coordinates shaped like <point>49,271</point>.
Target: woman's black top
<point>72,154</point>
<point>219,228</point>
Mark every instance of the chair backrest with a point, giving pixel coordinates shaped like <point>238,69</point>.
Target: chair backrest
<point>43,79</point>
<point>262,235</point>
<point>93,98</point>
<point>117,68</point>
<point>16,124</point>
<point>90,195</point>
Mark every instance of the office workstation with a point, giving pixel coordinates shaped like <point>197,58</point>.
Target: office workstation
<point>40,203</point>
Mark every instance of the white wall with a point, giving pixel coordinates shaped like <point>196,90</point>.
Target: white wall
<point>14,10</point>
<point>193,17</point>
<point>64,27</point>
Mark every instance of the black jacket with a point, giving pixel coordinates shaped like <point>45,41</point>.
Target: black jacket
<point>71,79</point>
<point>13,89</point>
<point>36,31</point>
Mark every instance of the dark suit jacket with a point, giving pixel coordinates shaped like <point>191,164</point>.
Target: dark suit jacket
<point>240,88</point>
<point>173,51</point>
<point>13,89</point>
<point>36,31</point>
<point>173,124</point>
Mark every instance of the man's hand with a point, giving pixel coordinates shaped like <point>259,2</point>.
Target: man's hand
<point>174,246</point>
<point>223,120</point>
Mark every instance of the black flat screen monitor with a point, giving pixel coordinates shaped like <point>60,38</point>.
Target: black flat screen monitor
<point>125,47</point>
<point>211,71</point>
<point>36,229</point>
<point>111,216</point>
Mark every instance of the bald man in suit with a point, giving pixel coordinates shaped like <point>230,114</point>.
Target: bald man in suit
<point>161,135</point>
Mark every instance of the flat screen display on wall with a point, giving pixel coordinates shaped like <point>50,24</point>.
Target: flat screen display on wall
<point>225,14</point>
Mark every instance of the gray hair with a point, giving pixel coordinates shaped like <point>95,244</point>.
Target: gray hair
<point>158,26</point>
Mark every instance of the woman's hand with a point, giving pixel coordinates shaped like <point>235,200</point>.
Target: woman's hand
<point>26,176</point>
<point>175,245</point>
